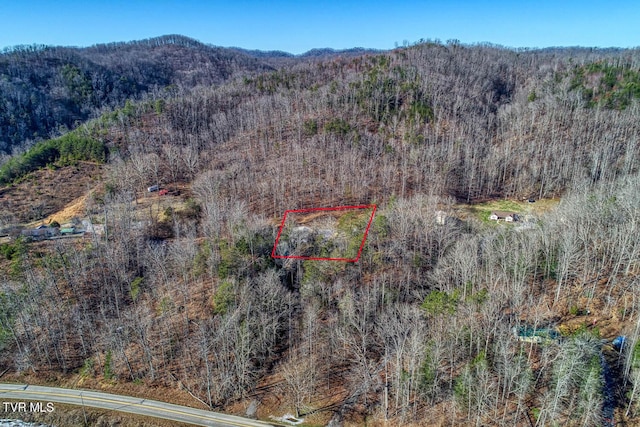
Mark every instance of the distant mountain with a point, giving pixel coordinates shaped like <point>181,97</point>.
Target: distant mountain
<point>313,53</point>
<point>43,88</point>
<point>264,53</point>
<point>327,52</point>
<point>278,59</point>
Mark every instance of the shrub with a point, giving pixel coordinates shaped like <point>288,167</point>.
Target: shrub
<point>108,366</point>
<point>338,126</point>
<point>310,127</point>
<point>224,297</point>
<point>440,302</point>
<point>136,287</point>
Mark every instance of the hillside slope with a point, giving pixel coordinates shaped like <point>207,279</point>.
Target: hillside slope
<point>447,318</point>
<point>44,89</point>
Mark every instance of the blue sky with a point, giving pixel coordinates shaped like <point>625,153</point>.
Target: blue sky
<point>297,26</point>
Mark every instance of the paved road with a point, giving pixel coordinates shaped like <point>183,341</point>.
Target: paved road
<point>134,405</point>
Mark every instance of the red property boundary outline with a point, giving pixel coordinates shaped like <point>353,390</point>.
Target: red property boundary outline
<point>337,208</point>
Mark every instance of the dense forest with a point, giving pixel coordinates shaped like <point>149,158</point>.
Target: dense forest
<point>46,90</point>
<point>425,328</point>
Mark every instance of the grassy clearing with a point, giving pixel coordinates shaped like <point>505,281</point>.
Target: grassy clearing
<point>482,211</point>
<point>75,209</point>
<point>333,234</point>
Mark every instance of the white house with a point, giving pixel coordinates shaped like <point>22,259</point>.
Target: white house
<point>505,216</point>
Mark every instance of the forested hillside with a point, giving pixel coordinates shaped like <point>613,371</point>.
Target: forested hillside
<point>429,326</point>
<point>46,90</point>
